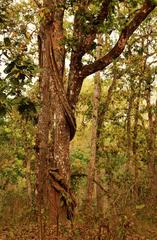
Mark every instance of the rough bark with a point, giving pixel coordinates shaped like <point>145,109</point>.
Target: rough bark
<point>53,126</point>
<point>42,144</point>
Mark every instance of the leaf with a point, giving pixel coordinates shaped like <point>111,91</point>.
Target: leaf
<point>154,2</point>
<point>28,35</point>
<point>9,67</point>
<point>27,108</point>
<point>2,96</point>
<point>7,41</point>
<point>17,75</point>
<point>141,206</point>
<point>22,76</point>
<point>3,110</point>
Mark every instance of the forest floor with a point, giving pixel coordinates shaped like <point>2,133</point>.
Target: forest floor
<point>128,223</point>
<point>143,227</point>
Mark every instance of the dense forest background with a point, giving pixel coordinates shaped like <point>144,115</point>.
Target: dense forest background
<point>109,188</point>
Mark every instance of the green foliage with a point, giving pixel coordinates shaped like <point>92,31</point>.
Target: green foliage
<point>3,109</point>
<point>17,49</point>
<point>154,2</point>
<point>11,175</point>
<point>79,160</point>
<point>14,207</point>
<point>27,109</point>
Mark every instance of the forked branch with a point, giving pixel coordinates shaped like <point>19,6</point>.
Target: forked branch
<point>101,63</point>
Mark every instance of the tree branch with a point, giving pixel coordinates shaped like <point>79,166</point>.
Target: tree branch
<point>103,12</point>
<point>83,44</point>
<point>101,63</point>
<point>39,5</point>
<point>94,25</point>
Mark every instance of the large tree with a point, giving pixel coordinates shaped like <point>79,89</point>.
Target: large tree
<point>57,125</point>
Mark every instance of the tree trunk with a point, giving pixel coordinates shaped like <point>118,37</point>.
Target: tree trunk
<point>96,103</point>
<point>129,138</point>
<point>54,134</point>
<point>134,141</point>
<point>102,201</point>
<point>91,169</point>
<point>151,153</point>
<point>28,177</point>
<point>27,159</point>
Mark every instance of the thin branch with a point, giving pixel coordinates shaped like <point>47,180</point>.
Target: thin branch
<point>103,14</point>
<point>94,25</point>
<point>153,62</point>
<point>84,43</point>
<point>39,5</point>
<point>101,63</point>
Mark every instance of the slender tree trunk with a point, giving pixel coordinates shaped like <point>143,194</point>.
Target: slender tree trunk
<point>151,146</point>
<point>134,141</point>
<point>28,178</point>
<point>96,145</point>
<point>27,160</point>
<point>96,104</point>
<point>92,163</point>
<point>129,135</point>
<point>102,200</point>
